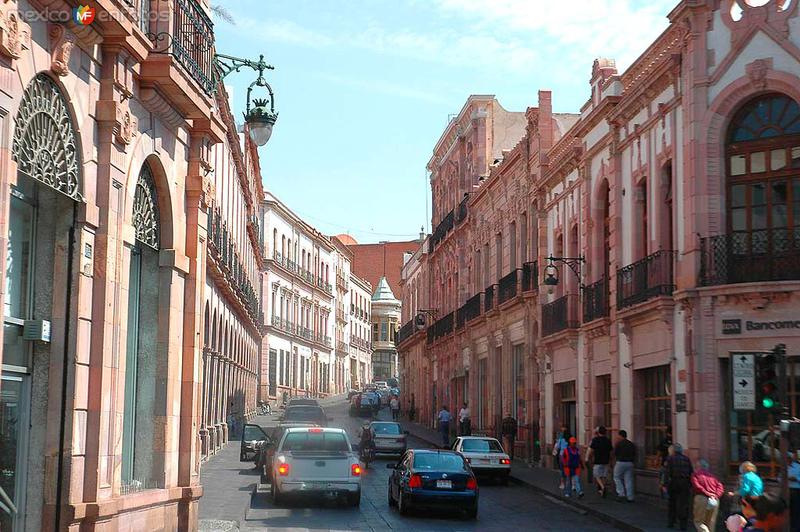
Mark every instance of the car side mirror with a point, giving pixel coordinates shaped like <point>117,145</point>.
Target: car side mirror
<point>391,466</point>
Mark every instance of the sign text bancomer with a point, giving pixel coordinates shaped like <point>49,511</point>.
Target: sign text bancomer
<point>771,325</point>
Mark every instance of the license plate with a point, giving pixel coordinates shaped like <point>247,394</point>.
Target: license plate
<point>315,485</point>
<point>494,461</point>
<point>444,484</point>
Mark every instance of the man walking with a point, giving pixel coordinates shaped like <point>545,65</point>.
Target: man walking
<point>508,430</point>
<point>600,455</point>
<point>572,468</point>
<point>624,455</point>
<point>444,418</point>
<point>464,422</point>
<point>394,405</point>
<point>794,491</point>
<point>707,491</point>
<point>679,473</point>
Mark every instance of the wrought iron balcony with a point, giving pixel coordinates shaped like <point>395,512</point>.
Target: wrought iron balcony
<point>460,317</point>
<point>507,287</point>
<point>442,327</point>
<point>189,39</point>
<point>645,279</point>
<point>405,332</point>
<point>472,308</point>
<point>596,300</point>
<point>461,213</point>
<point>444,227</point>
<point>342,347</point>
<point>429,333</point>
<point>488,298</point>
<point>530,276</point>
<point>765,255</point>
<point>560,315</point>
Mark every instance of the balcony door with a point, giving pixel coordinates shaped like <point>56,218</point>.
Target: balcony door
<point>763,190</point>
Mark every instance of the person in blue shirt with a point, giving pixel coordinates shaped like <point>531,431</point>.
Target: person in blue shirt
<point>444,418</point>
<point>750,484</point>
<point>794,490</point>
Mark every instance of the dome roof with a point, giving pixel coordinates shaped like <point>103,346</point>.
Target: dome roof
<point>347,240</point>
<point>383,292</point>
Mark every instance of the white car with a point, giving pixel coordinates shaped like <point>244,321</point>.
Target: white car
<point>316,461</point>
<point>485,456</point>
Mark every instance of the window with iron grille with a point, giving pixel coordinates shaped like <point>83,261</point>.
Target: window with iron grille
<point>657,404</point>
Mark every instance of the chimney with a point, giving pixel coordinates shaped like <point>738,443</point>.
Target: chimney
<point>545,120</point>
<point>422,233</point>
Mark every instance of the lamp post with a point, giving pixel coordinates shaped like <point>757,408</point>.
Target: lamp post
<point>260,115</point>
<point>551,272</point>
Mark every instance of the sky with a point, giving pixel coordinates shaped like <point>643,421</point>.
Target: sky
<point>365,88</point>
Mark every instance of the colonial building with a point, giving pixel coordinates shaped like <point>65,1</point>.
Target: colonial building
<point>385,319</point>
<point>658,225</point>
<point>360,297</point>
<point>299,304</point>
<point>113,146</point>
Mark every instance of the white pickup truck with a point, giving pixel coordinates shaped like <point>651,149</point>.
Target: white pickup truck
<point>316,461</point>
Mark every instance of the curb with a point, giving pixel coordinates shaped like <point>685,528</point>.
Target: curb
<point>610,519</point>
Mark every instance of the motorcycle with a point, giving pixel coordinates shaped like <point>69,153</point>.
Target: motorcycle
<point>265,409</point>
<point>367,455</point>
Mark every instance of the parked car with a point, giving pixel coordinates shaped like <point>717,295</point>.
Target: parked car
<point>392,382</point>
<point>389,437</point>
<point>305,414</point>
<point>486,456</point>
<point>252,437</point>
<point>364,404</point>
<point>351,393</point>
<point>266,451</point>
<point>379,384</point>
<point>301,401</point>
<point>316,461</point>
<point>437,479</point>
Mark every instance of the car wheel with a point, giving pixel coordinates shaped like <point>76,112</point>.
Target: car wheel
<point>354,499</point>
<point>392,502</point>
<point>277,498</point>
<point>402,505</point>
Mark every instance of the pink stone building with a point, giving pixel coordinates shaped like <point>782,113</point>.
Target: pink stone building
<point>121,170</point>
<point>676,189</point>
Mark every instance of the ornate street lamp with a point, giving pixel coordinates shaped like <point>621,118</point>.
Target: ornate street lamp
<point>551,272</point>
<point>260,115</point>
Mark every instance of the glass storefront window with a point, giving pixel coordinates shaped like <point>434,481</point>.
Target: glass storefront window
<point>18,259</point>
<point>657,411</point>
<point>12,423</point>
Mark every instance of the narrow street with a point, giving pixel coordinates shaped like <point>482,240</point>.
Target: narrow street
<point>229,502</point>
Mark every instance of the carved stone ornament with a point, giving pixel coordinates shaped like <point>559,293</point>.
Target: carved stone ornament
<point>757,72</point>
<point>61,43</point>
<point>209,192</point>
<point>126,126</point>
<point>14,34</point>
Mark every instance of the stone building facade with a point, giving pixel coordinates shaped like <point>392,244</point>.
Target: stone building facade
<point>112,147</point>
<point>385,320</point>
<point>360,297</point>
<point>675,190</point>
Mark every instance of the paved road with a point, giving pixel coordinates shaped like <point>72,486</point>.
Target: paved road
<point>228,486</point>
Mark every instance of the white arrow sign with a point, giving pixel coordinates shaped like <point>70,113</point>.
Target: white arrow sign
<point>744,381</point>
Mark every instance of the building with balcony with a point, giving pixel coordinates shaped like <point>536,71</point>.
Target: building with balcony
<point>299,303</point>
<point>673,191</point>
<point>385,320</point>
<point>360,297</point>
<point>105,198</point>
<point>381,259</point>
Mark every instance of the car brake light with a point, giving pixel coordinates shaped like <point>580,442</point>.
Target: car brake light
<point>355,469</point>
<point>283,470</point>
<point>315,430</point>
<point>505,461</point>
<point>415,481</point>
<point>472,484</point>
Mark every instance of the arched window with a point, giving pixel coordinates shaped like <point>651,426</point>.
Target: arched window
<point>140,468</point>
<point>763,185</point>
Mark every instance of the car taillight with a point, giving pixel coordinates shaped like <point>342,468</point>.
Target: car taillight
<point>283,470</point>
<point>472,484</point>
<point>355,469</point>
<point>415,481</point>
<point>505,461</point>
<point>315,430</point>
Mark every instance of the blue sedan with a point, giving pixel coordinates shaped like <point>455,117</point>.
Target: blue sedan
<point>427,478</point>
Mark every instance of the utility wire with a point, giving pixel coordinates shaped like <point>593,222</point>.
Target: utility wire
<point>349,229</point>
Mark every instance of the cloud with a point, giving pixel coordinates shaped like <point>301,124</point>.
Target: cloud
<point>383,87</point>
<point>284,31</point>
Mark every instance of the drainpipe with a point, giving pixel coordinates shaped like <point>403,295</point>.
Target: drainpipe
<point>64,370</point>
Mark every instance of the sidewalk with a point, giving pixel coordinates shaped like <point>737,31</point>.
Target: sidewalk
<point>641,516</point>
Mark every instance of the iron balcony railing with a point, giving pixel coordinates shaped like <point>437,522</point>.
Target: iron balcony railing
<point>560,315</point>
<point>429,332</point>
<point>472,308</point>
<point>461,213</point>
<point>342,346</point>
<point>743,257</point>
<point>596,300</point>
<point>460,317</point>
<point>488,298</point>
<point>507,287</point>
<point>445,226</point>
<point>530,276</point>
<point>443,326</point>
<point>405,332</point>
<point>190,40</point>
<point>645,279</point>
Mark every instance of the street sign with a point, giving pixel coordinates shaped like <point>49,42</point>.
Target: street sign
<point>744,381</point>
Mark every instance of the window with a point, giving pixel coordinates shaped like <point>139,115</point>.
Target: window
<point>523,237</point>
<point>512,246</point>
<point>483,404</point>
<point>498,255</point>
<point>763,186</point>
<point>657,410</point>
<point>566,406</point>
<point>604,400</point>
<point>520,407</point>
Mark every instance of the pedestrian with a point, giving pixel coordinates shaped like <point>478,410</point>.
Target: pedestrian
<point>412,410</point>
<point>464,422</point>
<point>750,484</point>
<point>624,457</point>
<point>707,491</point>
<point>508,430</point>
<point>444,418</point>
<point>663,454</point>
<point>679,474</point>
<point>599,454</point>
<point>561,443</point>
<point>573,463</point>
<point>794,491</point>
<point>765,512</point>
<point>394,405</point>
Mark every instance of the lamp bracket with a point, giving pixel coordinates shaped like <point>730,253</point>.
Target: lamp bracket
<point>574,264</point>
<point>225,64</point>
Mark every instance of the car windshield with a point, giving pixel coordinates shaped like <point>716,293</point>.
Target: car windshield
<point>481,446</point>
<point>303,413</point>
<point>386,428</point>
<point>439,462</point>
<point>252,432</point>
<point>316,441</point>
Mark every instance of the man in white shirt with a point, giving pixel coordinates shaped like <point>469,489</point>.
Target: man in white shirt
<point>444,426</point>
<point>464,422</point>
<point>394,404</point>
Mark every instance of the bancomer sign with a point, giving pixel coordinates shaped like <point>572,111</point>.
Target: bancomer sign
<point>732,327</point>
